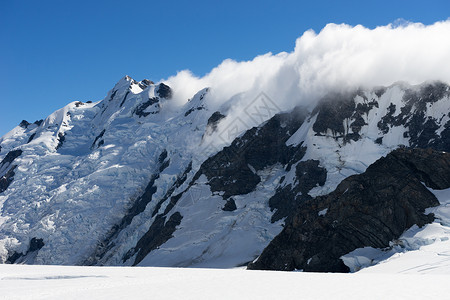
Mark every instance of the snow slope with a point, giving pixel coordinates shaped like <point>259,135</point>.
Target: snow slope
<point>57,282</point>
<point>83,187</point>
<point>93,179</point>
<point>70,192</point>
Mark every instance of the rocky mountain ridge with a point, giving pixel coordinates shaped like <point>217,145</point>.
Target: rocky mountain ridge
<point>367,210</point>
<point>136,180</point>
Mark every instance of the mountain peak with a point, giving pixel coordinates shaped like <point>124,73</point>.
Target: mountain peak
<point>136,179</point>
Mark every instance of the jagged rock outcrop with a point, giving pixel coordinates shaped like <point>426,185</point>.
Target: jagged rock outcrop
<point>413,115</point>
<point>309,174</point>
<point>140,110</point>
<point>335,109</point>
<point>148,178</point>
<point>6,179</point>
<point>234,169</point>
<point>370,209</point>
<point>7,169</point>
<point>160,231</point>
<point>36,244</point>
<point>164,91</point>
<point>214,120</point>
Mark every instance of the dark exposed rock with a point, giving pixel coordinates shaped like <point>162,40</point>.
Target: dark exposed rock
<point>370,209</point>
<point>36,244</point>
<point>379,91</point>
<point>38,122</point>
<point>145,83</point>
<point>100,135</point>
<point>283,202</point>
<point>428,166</point>
<point>124,98</point>
<point>352,136</point>
<point>113,94</point>
<point>24,124</point>
<point>340,115</point>
<point>89,101</point>
<point>78,104</point>
<point>61,139</point>
<point>444,142</point>
<point>164,165</point>
<point>7,179</point>
<point>332,111</point>
<point>12,258</point>
<point>230,205</point>
<point>10,157</point>
<point>191,110</point>
<point>163,161</point>
<point>427,133</point>
<point>173,200</point>
<point>164,91</point>
<point>139,111</point>
<point>434,91</point>
<point>387,119</point>
<point>31,137</point>
<point>180,180</point>
<point>141,203</point>
<point>335,108</point>
<point>421,129</point>
<point>358,123</point>
<point>160,232</point>
<point>7,169</point>
<point>309,175</point>
<point>214,120</point>
<point>162,157</point>
<point>138,207</point>
<point>233,170</point>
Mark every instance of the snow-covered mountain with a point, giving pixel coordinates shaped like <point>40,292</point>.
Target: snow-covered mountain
<point>137,179</point>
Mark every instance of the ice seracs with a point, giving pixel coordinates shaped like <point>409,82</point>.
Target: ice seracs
<point>140,178</point>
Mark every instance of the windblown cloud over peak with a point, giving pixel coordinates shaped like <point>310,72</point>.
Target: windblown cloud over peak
<point>339,57</point>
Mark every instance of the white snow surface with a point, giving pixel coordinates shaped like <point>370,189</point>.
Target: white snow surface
<point>72,196</point>
<point>63,282</point>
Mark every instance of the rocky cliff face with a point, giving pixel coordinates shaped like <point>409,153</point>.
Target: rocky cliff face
<point>366,210</point>
<point>132,180</point>
<point>7,169</point>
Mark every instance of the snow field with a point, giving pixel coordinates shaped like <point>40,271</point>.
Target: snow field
<point>58,282</point>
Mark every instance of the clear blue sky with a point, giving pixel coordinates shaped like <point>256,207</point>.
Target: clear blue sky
<point>54,52</point>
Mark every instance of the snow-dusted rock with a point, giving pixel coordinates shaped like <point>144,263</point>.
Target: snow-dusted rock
<point>138,178</point>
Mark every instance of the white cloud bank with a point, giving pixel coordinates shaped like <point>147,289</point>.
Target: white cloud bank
<point>339,57</point>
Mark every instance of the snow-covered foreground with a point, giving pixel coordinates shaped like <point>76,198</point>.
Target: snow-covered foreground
<point>62,282</point>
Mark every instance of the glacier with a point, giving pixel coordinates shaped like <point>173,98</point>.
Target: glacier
<point>119,182</point>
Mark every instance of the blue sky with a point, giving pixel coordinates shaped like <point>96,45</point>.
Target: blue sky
<point>54,52</point>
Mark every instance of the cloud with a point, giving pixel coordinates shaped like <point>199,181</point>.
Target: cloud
<point>346,56</point>
<point>339,57</point>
